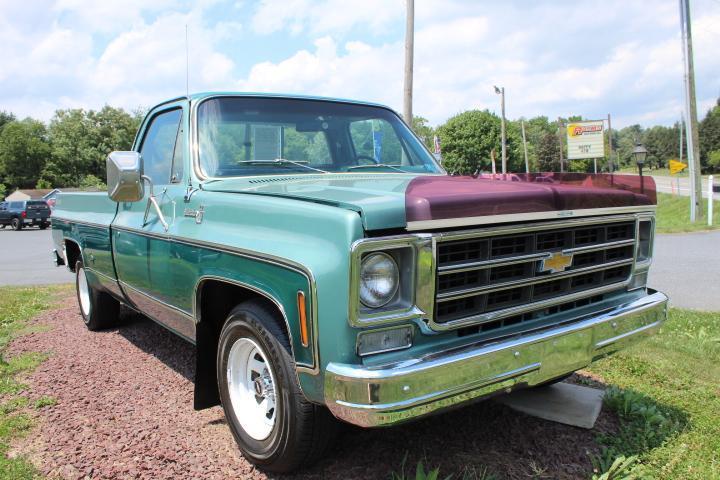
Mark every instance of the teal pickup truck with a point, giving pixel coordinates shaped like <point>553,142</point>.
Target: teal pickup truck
<point>325,266</point>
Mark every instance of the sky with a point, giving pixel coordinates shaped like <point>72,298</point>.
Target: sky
<point>554,58</point>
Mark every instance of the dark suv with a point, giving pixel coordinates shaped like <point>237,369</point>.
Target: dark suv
<point>25,213</point>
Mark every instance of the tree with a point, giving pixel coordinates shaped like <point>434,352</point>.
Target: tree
<point>72,155</point>
<point>548,153</point>
<point>111,129</point>
<point>627,138</point>
<point>81,140</point>
<point>710,138</point>
<point>713,160</point>
<point>467,139</point>
<point>423,130</point>
<point>662,145</point>
<point>91,181</point>
<point>5,118</point>
<point>24,150</point>
<point>3,192</point>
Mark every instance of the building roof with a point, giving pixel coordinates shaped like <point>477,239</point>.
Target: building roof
<point>36,193</point>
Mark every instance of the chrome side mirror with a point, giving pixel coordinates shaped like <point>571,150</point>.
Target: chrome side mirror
<point>124,177</point>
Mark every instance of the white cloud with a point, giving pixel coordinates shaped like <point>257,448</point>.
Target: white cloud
<point>108,16</point>
<point>60,67</point>
<point>326,16</point>
<point>150,59</point>
<point>553,59</point>
<point>460,56</point>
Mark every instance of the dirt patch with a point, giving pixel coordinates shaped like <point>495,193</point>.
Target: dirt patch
<point>124,410</point>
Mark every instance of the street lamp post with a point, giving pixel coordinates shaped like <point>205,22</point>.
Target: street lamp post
<point>501,92</point>
<point>640,153</point>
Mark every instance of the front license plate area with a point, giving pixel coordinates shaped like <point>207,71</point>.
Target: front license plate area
<point>567,353</point>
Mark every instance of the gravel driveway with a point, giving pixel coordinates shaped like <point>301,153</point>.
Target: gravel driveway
<point>124,410</point>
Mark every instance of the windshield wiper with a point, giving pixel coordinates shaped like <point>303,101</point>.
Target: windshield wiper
<point>282,162</point>
<point>378,165</point>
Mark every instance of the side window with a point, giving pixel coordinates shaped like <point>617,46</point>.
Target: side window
<point>158,146</point>
<point>178,157</point>
<point>16,205</point>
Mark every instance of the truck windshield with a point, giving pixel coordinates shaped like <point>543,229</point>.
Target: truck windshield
<point>257,136</point>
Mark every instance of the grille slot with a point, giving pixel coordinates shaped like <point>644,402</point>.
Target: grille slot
<point>497,282</point>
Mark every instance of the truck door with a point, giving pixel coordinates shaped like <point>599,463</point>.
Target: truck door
<point>141,242</point>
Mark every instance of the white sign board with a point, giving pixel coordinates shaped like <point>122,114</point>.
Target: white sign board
<point>586,139</point>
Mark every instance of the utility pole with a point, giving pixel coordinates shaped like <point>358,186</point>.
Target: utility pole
<point>610,147</point>
<point>682,125</point>
<point>560,137</point>
<point>501,92</point>
<point>527,164</point>
<point>693,141</point>
<point>409,41</point>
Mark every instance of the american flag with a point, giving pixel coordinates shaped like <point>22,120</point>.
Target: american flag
<point>436,143</point>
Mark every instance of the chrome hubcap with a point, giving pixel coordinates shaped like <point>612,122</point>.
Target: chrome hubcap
<point>84,292</point>
<point>252,388</point>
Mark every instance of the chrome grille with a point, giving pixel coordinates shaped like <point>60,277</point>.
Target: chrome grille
<point>494,281</point>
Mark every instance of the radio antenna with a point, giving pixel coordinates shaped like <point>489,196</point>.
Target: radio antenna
<point>187,63</point>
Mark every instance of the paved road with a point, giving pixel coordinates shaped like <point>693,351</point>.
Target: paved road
<point>670,185</point>
<point>26,258</point>
<point>686,267</point>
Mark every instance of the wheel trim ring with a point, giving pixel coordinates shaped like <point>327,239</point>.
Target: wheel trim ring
<point>83,292</point>
<point>256,417</point>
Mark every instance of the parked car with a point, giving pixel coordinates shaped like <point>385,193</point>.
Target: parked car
<point>324,265</point>
<point>25,213</point>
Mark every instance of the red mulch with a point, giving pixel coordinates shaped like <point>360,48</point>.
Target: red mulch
<point>124,410</point>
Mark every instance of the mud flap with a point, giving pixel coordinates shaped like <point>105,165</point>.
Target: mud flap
<point>206,388</point>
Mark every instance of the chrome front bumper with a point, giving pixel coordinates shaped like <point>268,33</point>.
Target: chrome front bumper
<point>389,394</point>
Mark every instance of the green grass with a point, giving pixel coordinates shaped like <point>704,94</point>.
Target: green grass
<point>666,392</point>
<point>673,215</point>
<point>660,172</point>
<point>17,306</point>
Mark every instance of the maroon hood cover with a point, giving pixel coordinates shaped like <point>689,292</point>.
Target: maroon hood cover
<point>436,197</point>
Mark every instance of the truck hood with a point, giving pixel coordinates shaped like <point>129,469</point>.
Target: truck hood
<point>393,200</point>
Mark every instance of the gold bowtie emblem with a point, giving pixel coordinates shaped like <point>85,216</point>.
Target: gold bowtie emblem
<point>558,262</point>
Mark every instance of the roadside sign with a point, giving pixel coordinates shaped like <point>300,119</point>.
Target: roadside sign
<point>586,139</point>
<point>676,166</point>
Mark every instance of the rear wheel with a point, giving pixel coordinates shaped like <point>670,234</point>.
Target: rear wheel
<point>16,224</point>
<point>43,226</point>
<point>272,422</point>
<point>99,309</point>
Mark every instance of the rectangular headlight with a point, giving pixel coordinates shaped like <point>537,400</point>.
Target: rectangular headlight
<point>392,280</point>
<point>385,340</point>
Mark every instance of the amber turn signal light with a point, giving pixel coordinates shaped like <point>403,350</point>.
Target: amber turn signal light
<point>303,319</point>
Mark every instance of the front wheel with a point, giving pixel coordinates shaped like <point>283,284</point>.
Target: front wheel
<point>99,309</point>
<point>272,422</point>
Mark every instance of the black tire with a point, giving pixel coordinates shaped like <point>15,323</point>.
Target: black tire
<point>43,226</point>
<point>16,224</point>
<point>99,310</point>
<point>302,430</point>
